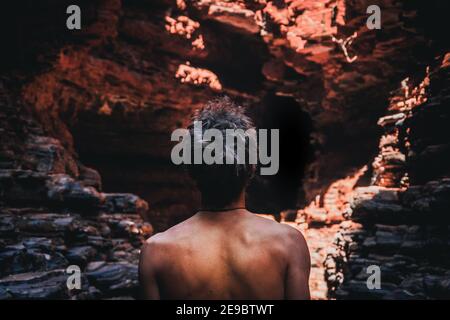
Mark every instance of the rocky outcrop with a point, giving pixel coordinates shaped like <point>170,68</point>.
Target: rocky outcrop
<point>54,215</point>
<point>401,222</point>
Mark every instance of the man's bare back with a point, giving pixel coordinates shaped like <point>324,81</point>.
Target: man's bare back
<point>226,255</point>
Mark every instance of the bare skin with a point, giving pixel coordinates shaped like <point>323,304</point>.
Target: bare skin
<point>226,255</point>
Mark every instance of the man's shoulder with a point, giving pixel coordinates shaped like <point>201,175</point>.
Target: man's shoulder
<point>157,239</point>
<point>287,234</point>
<point>168,238</point>
<point>161,239</point>
<point>289,242</point>
<point>154,244</point>
<point>159,249</point>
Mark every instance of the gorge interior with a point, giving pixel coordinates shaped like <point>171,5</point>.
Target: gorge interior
<point>107,98</point>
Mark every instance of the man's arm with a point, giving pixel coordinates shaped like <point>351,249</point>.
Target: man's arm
<point>148,264</point>
<point>298,268</point>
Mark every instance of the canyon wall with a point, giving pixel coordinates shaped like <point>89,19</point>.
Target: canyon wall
<point>87,114</point>
<point>400,222</point>
<point>53,214</point>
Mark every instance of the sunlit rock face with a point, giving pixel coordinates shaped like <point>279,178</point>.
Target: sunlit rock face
<point>89,116</point>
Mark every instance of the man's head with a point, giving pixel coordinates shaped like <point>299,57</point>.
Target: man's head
<point>221,184</point>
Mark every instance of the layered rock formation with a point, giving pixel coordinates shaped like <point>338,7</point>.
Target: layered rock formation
<point>54,215</point>
<point>400,223</point>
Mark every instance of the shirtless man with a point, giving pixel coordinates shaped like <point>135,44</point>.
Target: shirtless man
<point>225,251</point>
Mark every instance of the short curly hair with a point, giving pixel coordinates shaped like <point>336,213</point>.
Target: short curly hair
<point>221,184</point>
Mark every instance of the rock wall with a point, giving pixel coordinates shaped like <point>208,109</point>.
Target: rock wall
<point>400,223</point>
<point>53,215</point>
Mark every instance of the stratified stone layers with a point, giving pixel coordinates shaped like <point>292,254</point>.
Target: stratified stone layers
<point>53,215</point>
<point>401,222</point>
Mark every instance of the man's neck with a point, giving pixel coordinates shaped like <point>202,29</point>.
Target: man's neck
<point>234,205</point>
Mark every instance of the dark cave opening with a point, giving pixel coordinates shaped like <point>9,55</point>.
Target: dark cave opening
<point>272,194</point>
